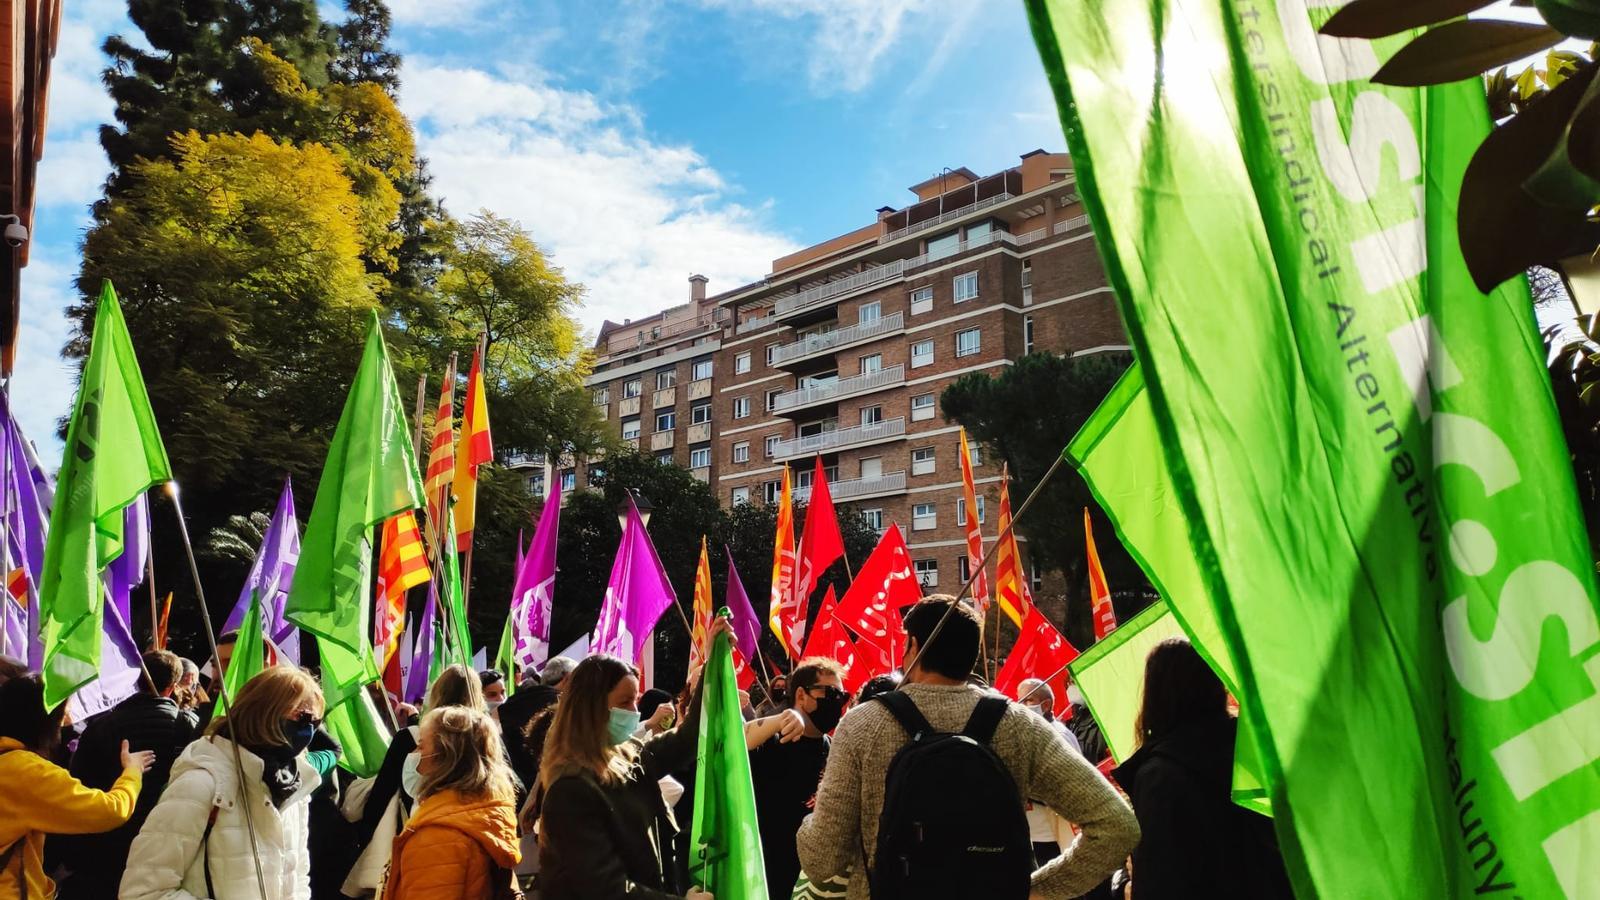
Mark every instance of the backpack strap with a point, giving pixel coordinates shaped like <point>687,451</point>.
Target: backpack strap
<point>906,713</point>
<point>986,718</point>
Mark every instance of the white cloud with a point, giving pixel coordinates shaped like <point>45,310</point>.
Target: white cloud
<point>628,217</point>
<point>43,385</point>
<point>847,39</point>
<point>433,13</point>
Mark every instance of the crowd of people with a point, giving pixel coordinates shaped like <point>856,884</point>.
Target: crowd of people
<point>577,784</point>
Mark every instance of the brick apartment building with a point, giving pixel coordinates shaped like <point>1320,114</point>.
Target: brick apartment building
<point>842,351</point>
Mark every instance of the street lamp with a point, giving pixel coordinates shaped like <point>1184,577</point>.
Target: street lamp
<point>640,503</point>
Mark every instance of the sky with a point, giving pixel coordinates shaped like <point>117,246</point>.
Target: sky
<point>639,141</point>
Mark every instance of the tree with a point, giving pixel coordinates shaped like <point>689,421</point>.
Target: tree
<point>1026,414</point>
<point>363,47</point>
<point>499,282</point>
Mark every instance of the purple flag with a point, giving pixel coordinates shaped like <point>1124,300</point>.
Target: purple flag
<point>27,494</point>
<point>272,573</point>
<point>534,592</point>
<point>416,686</point>
<point>746,627</point>
<point>120,668</point>
<point>636,596</point>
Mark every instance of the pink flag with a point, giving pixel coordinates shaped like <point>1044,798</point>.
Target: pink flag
<point>534,594</point>
<point>636,596</point>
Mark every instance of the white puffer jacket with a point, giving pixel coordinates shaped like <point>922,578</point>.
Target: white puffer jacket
<point>166,861</point>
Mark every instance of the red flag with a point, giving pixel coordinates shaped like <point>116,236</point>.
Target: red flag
<point>1105,616</point>
<point>871,607</point>
<point>820,545</point>
<point>743,675</point>
<point>969,493</point>
<point>1011,582</point>
<point>476,450</point>
<point>1040,652</point>
<point>830,639</point>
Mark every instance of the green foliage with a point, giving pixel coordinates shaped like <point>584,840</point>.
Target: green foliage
<point>499,282</point>
<point>363,47</point>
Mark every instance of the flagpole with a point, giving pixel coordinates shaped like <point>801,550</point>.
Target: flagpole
<point>222,688</point>
<point>150,576</point>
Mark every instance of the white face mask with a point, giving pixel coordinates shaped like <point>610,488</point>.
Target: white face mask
<point>410,778</point>
<point>493,704</point>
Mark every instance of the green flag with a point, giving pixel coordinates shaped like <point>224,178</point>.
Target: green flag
<point>249,651</point>
<point>505,657</point>
<point>455,600</point>
<point>370,474</point>
<point>1110,674</point>
<point>725,841</point>
<point>1364,447</point>
<point>113,454</point>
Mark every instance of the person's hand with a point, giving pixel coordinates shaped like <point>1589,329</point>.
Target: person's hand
<point>405,711</point>
<point>793,727</point>
<point>142,760</point>
<point>744,699</point>
<point>719,625</point>
<point>697,894</point>
<point>660,720</point>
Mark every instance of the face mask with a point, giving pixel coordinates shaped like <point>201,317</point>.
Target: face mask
<point>493,704</point>
<point>299,732</point>
<point>623,723</point>
<point>829,711</point>
<point>1074,696</point>
<point>410,778</point>
<point>1042,711</point>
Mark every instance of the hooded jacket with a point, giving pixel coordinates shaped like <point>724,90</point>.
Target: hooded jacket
<point>39,797</point>
<point>455,848</point>
<point>168,860</point>
<point>1196,842</point>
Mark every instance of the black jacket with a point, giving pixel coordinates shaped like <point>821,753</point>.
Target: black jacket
<point>515,714</point>
<point>1087,731</point>
<point>601,841</point>
<point>146,723</point>
<point>1196,841</point>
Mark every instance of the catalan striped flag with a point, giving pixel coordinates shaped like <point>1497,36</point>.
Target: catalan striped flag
<point>161,626</point>
<point>401,567</point>
<point>974,529</point>
<point>476,449</point>
<point>1105,617</point>
<point>442,456</point>
<point>702,608</point>
<point>17,586</point>
<point>1010,581</point>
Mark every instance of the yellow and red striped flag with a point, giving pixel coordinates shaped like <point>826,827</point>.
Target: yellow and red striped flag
<point>161,626</point>
<point>783,569</point>
<point>1010,581</point>
<point>476,449</point>
<point>1105,617</point>
<point>17,586</point>
<point>442,456</point>
<point>401,567</point>
<point>975,573</point>
<point>702,607</point>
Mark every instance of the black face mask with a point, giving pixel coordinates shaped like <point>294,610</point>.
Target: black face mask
<point>830,709</point>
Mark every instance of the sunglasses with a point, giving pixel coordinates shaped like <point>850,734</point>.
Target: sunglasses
<point>829,692</point>
<point>307,718</point>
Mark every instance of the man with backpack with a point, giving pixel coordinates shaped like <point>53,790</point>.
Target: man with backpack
<point>923,793</point>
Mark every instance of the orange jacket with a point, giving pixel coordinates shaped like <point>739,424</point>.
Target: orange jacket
<point>454,848</point>
<point>38,797</point>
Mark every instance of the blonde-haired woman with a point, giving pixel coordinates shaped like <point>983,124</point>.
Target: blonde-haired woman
<point>602,800</point>
<point>198,841</point>
<point>461,842</point>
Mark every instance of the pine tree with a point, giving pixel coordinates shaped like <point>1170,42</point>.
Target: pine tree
<point>363,47</point>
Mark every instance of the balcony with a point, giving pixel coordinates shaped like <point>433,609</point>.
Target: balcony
<point>839,337</point>
<point>1071,224</point>
<point>631,441</point>
<point>950,216</point>
<point>699,434</point>
<point>891,483</point>
<point>701,473</point>
<point>662,440</point>
<point>700,390</point>
<point>822,294</point>
<point>525,460</point>
<point>755,323</point>
<point>837,390</point>
<point>664,397</point>
<point>655,334</point>
<point>628,406</point>
<point>829,441</point>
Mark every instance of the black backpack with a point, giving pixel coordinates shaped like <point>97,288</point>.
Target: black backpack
<point>953,823</point>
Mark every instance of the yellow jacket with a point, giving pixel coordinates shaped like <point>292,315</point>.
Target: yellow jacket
<point>38,797</point>
<point>454,848</point>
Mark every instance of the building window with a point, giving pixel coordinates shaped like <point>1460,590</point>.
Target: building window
<point>741,366</point>
<point>699,414</point>
<point>966,286</point>
<point>772,398</point>
<point>872,467</point>
<point>921,354</point>
<point>741,407</point>
<point>1035,575</point>
<point>772,351</point>
<point>975,456</point>
<point>536,485</point>
<point>927,571</point>
<point>961,509</point>
<point>664,458</point>
<point>772,445</point>
<point>569,480</point>
<point>874,518</point>
<point>1027,334</point>
<point>700,458</point>
<point>702,369</point>
<point>1027,284</point>
<point>921,407</point>
<point>741,452</point>
<point>944,245</point>
<point>922,461</point>
<point>772,490</point>
<point>869,312</point>
<point>666,379</point>
<point>740,496</point>
<point>596,474</point>
<point>871,415</point>
<point>963,569</point>
<point>631,388</point>
<point>602,396</point>
<point>921,301</point>
<point>969,342</point>
<point>924,517</point>
<point>666,421</point>
<point>871,364</point>
<point>630,430</point>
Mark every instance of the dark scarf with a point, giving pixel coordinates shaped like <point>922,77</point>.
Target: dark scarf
<point>280,768</point>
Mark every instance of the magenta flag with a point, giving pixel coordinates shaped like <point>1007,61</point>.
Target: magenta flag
<point>534,594</point>
<point>746,627</point>
<point>636,596</point>
<point>271,575</point>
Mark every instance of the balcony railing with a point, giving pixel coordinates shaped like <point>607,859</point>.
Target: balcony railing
<point>839,337</point>
<point>701,473</point>
<point>662,440</point>
<point>824,293</point>
<point>1073,223</point>
<point>700,433</point>
<point>829,441</point>
<point>628,406</point>
<point>524,460</point>
<point>753,324</point>
<point>700,389</point>
<point>844,387</point>
<point>948,216</point>
<point>655,334</point>
<point>860,487</point>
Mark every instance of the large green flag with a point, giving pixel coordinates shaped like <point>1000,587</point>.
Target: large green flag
<point>113,454</point>
<point>1364,447</point>
<point>249,650</point>
<point>725,839</point>
<point>370,475</point>
<point>1110,674</point>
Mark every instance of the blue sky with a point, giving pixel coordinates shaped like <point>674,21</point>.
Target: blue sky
<point>639,141</point>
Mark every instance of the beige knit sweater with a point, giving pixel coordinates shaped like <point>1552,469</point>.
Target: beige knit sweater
<point>850,799</point>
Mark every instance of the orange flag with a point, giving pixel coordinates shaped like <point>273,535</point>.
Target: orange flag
<point>975,573</point>
<point>1010,581</point>
<point>161,627</point>
<point>442,455</point>
<point>702,608</point>
<point>401,567</point>
<point>1105,618</point>
<point>783,568</point>
<point>476,449</point>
